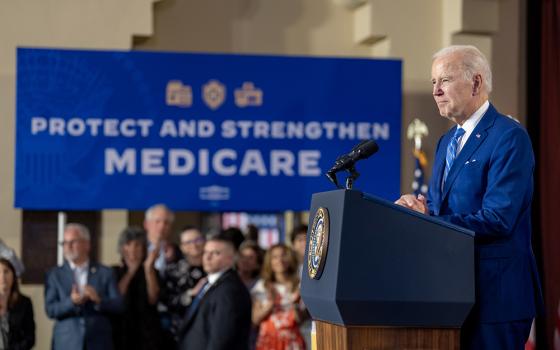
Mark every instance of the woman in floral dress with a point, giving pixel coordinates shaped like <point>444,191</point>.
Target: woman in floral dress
<point>276,302</point>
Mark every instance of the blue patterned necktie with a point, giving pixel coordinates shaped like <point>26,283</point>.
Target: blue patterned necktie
<point>452,151</point>
<point>196,301</point>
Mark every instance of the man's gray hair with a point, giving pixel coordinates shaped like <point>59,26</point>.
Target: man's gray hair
<point>150,211</point>
<point>82,230</point>
<point>474,62</point>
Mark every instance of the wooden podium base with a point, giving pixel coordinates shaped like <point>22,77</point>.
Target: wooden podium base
<point>335,337</point>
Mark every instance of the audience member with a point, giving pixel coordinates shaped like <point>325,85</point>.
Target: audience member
<point>219,316</point>
<point>17,326</point>
<point>9,254</point>
<point>299,241</point>
<point>185,276</point>
<point>80,296</point>
<point>157,222</point>
<point>138,327</point>
<point>276,301</point>
<point>249,263</point>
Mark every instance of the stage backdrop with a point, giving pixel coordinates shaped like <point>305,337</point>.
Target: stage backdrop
<point>110,129</point>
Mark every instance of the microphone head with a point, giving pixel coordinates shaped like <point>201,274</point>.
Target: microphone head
<point>366,148</point>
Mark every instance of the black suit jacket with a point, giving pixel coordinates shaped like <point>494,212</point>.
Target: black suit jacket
<point>222,319</point>
<point>22,325</point>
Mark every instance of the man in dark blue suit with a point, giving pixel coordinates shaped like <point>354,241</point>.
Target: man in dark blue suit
<point>80,295</point>
<point>219,317</point>
<point>482,179</point>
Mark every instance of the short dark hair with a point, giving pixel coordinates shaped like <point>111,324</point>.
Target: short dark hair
<point>234,235</point>
<point>298,230</point>
<point>132,233</point>
<point>223,239</point>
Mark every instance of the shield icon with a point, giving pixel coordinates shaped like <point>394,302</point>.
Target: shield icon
<point>214,94</point>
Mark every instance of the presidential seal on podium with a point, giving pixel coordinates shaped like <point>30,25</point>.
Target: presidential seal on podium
<point>318,243</point>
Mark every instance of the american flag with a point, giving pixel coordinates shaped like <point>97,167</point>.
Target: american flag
<point>420,161</point>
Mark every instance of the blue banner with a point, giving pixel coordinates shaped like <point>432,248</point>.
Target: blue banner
<point>110,129</point>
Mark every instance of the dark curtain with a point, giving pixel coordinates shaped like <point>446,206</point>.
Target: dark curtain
<point>548,158</point>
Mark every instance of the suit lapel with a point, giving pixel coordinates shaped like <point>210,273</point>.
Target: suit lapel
<point>67,276</point>
<point>437,174</point>
<point>476,138</point>
<point>208,292</point>
<point>92,277</point>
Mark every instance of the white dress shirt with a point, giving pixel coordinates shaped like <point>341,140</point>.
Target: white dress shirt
<point>80,275</point>
<point>213,277</point>
<point>471,123</point>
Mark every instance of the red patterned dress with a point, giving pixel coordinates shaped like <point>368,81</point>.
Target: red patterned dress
<point>280,330</point>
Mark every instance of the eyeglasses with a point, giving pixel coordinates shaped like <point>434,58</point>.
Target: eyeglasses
<point>194,241</point>
<point>72,242</point>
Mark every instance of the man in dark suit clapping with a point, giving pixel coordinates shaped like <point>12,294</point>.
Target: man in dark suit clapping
<point>219,317</point>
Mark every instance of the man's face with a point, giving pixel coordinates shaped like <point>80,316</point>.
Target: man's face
<point>158,225</point>
<point>192,243</point>
<point>75,248</point>
<point>454,95</point>
<point>217,256</point>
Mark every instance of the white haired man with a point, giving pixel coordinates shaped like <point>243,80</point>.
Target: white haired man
<point>80,295</point>
<point>482,180</point>
<point>157,223</point>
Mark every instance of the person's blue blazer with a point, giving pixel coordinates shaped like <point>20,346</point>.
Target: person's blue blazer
<point>489,190</point>
<point>89,324</point>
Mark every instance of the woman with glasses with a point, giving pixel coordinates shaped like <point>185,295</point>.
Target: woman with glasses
<point>184,277</point>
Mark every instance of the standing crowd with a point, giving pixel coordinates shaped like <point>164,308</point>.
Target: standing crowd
<point>216,292</point>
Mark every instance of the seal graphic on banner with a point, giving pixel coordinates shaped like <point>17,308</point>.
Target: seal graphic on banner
<point>214,94</point>
<point>318,243</point>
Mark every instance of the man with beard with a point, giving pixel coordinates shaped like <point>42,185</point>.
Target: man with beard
<point>80,295</point>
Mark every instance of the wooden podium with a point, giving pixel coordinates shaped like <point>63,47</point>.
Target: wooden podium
<point>380,276</point>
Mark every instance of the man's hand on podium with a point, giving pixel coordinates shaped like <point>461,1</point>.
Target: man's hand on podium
<point>410,201</point>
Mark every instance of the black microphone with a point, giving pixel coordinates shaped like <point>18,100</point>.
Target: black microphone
<point>363,150</point>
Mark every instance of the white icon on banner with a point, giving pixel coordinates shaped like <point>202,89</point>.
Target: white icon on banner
<point>213,193</point>
<point>177,94</point>
<point>214,94</point>
<point>248,95</point>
